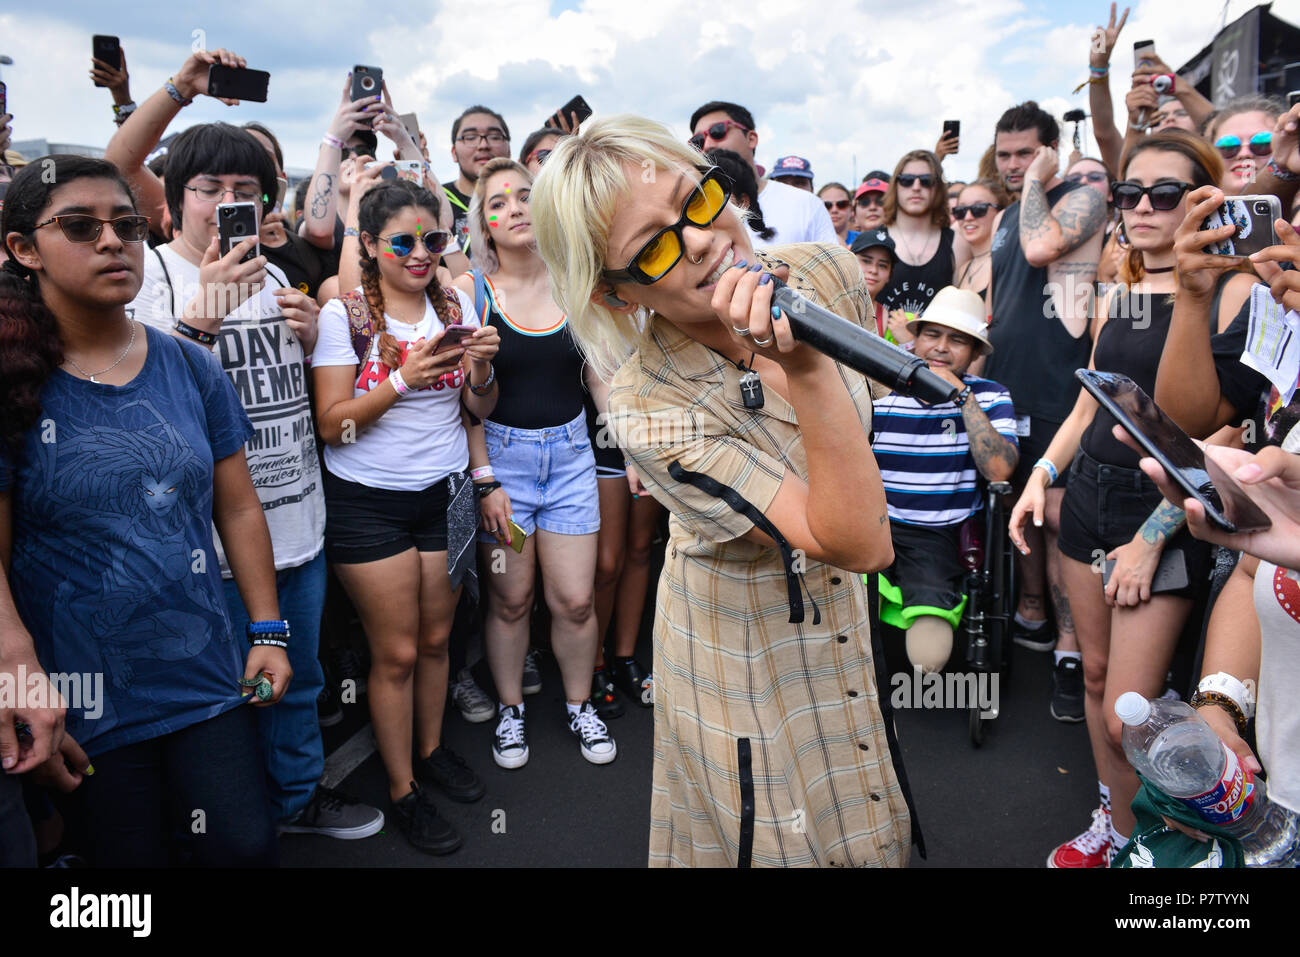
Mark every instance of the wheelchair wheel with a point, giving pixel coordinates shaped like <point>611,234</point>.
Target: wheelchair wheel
<point>976,726</point>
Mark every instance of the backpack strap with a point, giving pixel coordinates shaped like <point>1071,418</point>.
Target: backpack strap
<point>361,324</point>
<point>453,300</point>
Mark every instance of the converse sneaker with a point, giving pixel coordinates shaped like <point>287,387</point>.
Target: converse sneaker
<point>634,682</point>
<point>474,706</point>
<point>1090,849</point>
<point>418,818</point>
<point>1067,690</point>
<point>448,770</point>
<point>532,673</point>
<point>604,695</point>
<point>597,746</point>
<point>330,814</point>
<point>510,746</point>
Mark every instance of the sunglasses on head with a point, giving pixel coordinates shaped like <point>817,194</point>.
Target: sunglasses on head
<point>666,247</point>
<point>79,228</point>
<point>402,245</point>
<point>1096,176</point>
<point>1261,144</point>
<point>906,180</point>
<point>840,204</point>
<point>1163,196</point>
<point>539,155</point>
<point>716,132</point>
<point>871,199</point>
<point>978,210</point>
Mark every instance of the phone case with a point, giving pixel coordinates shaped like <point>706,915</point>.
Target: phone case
<point>235,223</point>
<point>367,81</point>
<point>108,49</point>
<point>238,84</point>
<point>517,537</point>
<point>1253,216</point>
<point>1170,573</point>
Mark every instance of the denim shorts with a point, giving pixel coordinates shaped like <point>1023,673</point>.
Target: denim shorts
<point>550,476</point>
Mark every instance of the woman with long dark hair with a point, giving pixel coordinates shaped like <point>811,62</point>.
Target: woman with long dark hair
<point>401,511</point>
<point>122,446</point>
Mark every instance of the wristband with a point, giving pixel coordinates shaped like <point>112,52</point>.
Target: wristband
<point>1225,684</point>
<point>1046,465</point>
<point>1099,70</point>
<point>1285,175</point>
<point>962,396</point>
<point>351,231</point>
<point>174,93</point>
<point>1201,698</point>
<point>482,473</point>
<point>484,489</point>
<point>334,141</point>
<point>398,383</point>
<point>484,387</point>
<point>272,631</point>
<point>120,113</point>
<point>198,335</point>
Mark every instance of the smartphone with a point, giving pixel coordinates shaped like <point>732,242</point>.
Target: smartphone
<point>1170,573</point>
<point>4,98</point>
<point>281,188</point>
<point>108,49</point>
<point>412,125</point>
<point>367,81</point>
<point>410,170</point>
<point>517,537</point>
<point>576,105</point>
<point>232,83</point>
<point>1292,99</point>
<point>1253,216</point>
<point>235,223</point>
<point>951,128</point>
<point>1227,507</point>
<point>453,336</point>
<point>1144,52</point>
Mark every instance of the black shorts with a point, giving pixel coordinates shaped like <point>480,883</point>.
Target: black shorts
<point>1032,448</point>
<point>1105,505</point>
<point>927,565</point>
<point>364,524</point>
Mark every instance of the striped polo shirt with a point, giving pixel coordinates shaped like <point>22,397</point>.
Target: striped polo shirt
<point>924,456</point>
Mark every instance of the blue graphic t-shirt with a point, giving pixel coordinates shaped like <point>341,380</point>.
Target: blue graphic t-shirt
<point>114,572</point>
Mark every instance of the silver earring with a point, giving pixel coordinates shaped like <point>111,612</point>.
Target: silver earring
<point>613,301</point>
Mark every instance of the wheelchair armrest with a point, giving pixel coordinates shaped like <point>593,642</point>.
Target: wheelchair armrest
<point>1000,488</point>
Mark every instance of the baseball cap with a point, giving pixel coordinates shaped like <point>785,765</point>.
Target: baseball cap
<point>871,238</point>
<point>791,166</point>
<point>871,186</point>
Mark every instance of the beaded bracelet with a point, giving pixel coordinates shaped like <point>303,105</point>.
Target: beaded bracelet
<point>484,387</point>
<point>351,231</point>
<point>1223,701</point>
<point>174,93</point>
<point>1285,175</point>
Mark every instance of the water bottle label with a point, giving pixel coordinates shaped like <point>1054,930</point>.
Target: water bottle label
<point>1230,798</point>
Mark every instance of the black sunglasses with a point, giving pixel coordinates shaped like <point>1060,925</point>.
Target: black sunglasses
<point>978,210</point>
<point>1163,196</point>
<point>871,199</point>
<point>79,228</point>
<point>666,247</point>
<point>837,204</point>
<point>906,180</point>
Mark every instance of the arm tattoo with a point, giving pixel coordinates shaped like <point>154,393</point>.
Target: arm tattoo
<point>1161,524</point>
<point>1080,216</point>
<point>1034,214</point>
<point>320,201</point>
<point>987,446</point>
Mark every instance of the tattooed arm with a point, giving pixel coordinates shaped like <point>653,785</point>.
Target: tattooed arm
<point>1048,233</point>
<point>995,456</point>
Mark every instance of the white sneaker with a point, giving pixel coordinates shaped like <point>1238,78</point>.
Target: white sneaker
<point>597,746</point>
<point>510,746</point>
<point>474,706</point>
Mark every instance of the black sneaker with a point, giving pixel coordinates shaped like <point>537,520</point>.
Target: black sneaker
<point>604,695</point>
<point>1067,690</point>
<point>1042,638</point>
<point>329,711</point>
<point>634,682</point>
<point>418,818</point>
<point>532,672</point>
<point>448,771</point>
<point>596,744</point>
<point>331,814</point>
<point>351,665</point>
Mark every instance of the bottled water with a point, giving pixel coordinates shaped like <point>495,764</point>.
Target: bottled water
<point>1174,749</point>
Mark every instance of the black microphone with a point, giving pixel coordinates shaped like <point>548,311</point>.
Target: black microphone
<point>858,349</point>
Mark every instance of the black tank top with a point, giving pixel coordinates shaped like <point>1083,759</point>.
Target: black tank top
<point>539,373</point>
<point>1033,354</point>
<point>912,287</point>
<point>1131,345</point>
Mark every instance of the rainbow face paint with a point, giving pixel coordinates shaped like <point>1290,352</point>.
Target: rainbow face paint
<point>492,221</point>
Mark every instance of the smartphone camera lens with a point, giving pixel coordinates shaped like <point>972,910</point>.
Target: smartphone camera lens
<point>238,228</point>
<point>227,212</point>
<point>368,83</point>
<point>1261,209</point>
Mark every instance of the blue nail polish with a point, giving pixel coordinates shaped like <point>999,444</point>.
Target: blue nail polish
<point>741,265</point>
<point>776,312</point>
<point>756,267</point>
<point>767,277</point>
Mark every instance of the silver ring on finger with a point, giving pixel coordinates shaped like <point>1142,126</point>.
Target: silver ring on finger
<point>762,342</point>
<point>740,332</point>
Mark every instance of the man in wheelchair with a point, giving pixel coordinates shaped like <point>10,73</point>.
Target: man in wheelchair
<point>931,458</point>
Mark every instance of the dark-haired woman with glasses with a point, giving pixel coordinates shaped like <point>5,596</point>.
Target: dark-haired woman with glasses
<point>767,709</point>
<point>839,204</point>
<point>390,394</point>
<point>916,213</point>
<point>120,446</point>
<point>1127,626</point>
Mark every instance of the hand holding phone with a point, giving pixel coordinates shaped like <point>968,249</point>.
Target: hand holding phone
<point>233,83</point>
<point>235,223</point>
<point>1252,218</point>
<point>453,336</point>
<point>564,118</point>
<point>952,131</point>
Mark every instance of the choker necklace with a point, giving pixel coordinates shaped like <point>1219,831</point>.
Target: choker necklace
<point>1149,271</point>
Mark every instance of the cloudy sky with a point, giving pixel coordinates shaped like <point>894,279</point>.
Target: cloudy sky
<point>847,85</point>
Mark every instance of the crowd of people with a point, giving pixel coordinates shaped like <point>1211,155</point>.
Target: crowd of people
<point>409,401</point>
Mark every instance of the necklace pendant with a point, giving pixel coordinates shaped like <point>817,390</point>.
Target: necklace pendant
<point>96,381</point>
<point>751,390</point>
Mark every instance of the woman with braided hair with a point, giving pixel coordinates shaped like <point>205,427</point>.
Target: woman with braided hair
<point>391,401</point>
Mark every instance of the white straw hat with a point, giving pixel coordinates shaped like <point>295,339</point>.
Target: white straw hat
<point>958,309</point>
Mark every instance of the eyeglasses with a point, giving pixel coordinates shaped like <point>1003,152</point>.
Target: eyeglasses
<point>978,210</point>
<point>494,137</point>
<point>1163,196</point>
<point>906,180</point>
<point>79,228</point>
<point>871,199</point>
<point>1261,144</point>
<point>402,245</point>
<point>212,194</point>
<point>840,204</point>
<point>666,247</point>
<point>539,155</point>
<point>1096,176</point>
<point>716,132</point>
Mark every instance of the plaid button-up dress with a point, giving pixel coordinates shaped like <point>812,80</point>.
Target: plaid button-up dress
<point>770,745</point>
